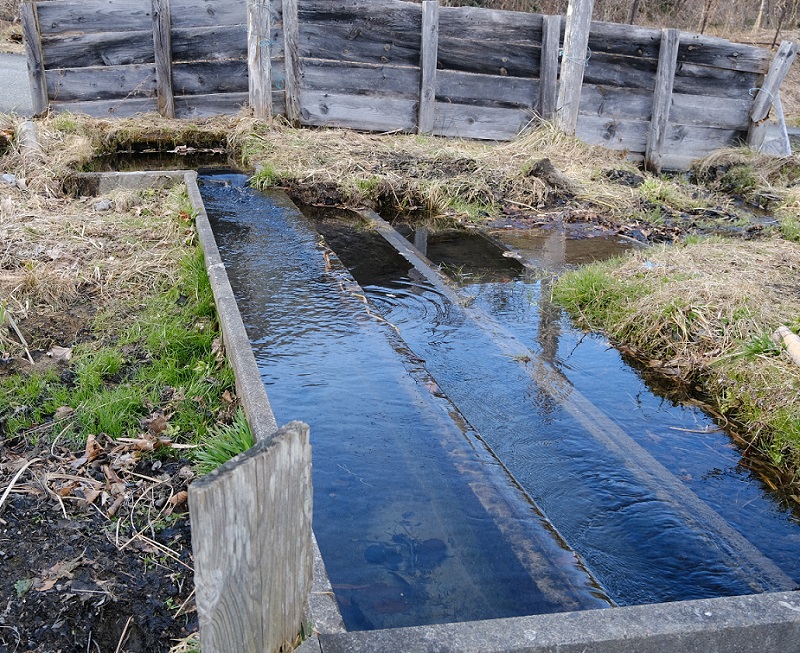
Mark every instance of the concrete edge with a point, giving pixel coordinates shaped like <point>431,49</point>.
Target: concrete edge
<point>100,183</point>
<point>742,624</point>
<point>249,386</point>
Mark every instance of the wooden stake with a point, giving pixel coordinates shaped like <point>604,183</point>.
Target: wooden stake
<point>428,60</point>
<point>259,58</point>
<point>33,50</point>
<point>768,91</point>
<point>291,39</point>
<point>548,78</point>
<point>162,42</point>
<point>573,62</point>
<point>662,99</point>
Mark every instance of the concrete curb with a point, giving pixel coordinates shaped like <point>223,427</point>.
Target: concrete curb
<point>742,624</point>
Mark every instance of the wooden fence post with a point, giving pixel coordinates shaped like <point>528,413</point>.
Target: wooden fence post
<point>429,55</point>
<point>252,546</point>
<point>162,42</point>
<point>259,58</point>
<point>769,89</point>
<point>574,59</point>
<point>662,99</point>
<point>33,50</point>
<point>291,40</point>
<point>548,77</point>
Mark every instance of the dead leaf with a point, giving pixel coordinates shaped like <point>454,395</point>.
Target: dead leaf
<point>57,572</point>
<point>156,423</point>
<point>227,397</point>
<point>62,412</point>
<point>62,354</point>
<point>93,450</point>
<point>179,498</point>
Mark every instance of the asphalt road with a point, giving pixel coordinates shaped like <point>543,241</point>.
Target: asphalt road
<point>15,92</point>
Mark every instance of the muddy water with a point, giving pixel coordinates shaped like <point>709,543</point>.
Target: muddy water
<point>632,529</point>
<point>417,522</point>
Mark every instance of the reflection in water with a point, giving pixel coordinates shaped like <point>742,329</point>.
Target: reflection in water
<point>416,521</point>
<point>643,544</point>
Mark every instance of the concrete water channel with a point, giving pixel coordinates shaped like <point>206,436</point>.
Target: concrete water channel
<point>475,456</point>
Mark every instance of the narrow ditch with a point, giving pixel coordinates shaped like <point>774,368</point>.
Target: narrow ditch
<point>474,455</point>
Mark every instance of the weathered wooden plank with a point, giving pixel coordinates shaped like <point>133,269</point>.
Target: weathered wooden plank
<point>359,112</point>
<point>213,43</point>
<point>210,76</point>
<point>291,60</point>
<point>614,102</point>
<point>429,58</point>
<point>483,123</point>
<point>259,59</point>
<point>360,78</point>
<point>214,104</point>
<point>724,113</point>
<point>101,83</point>
<point>35,57</point>
<point>501,27</point>
<point>551,44</point>
<point>627,72</point>
<point>573,63</point>
<point>487,90</point>
<point>662,99</point>
<point>360,41</point>
<point>120,108</point>
<point>252,543</point>
<point>614,134</point>
<point>208,13</point>
<point>630,41</point>
<point>702,80</point>
<point>99,49</point>
<point>489,58</point>
<point>63,16</point>
<point>162,40</point>
<point>769,88</point>
<point>692,141</point>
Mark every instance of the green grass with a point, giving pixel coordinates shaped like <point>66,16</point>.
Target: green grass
<point>173,364</point>
<point>223,443</point>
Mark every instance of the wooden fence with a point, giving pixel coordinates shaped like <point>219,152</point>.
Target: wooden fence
<point>664,96</point>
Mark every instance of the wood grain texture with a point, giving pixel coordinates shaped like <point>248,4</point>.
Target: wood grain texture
<point>102,83</point>
<point>359,112</point>
<point>213,104</point>
<point>259,59</point>
<point>481,123</point>
<point>662,99</point>
<point>162,41</point>
<point>251,540</point>
<point>119,108</point>
<point>35,56</point>
<point>504,28</point>
<point>291,60</point>
<point>613,133</point>
<point>86,16</point>
<point>551,44</point>
<point>487,90</point>
<point>360,78</point>
<point>573,64</point>
<point>428,60</point>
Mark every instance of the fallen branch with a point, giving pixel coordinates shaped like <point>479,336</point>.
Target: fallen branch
<point>15,479</point>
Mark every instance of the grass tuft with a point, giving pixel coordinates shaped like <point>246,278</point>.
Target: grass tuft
<point>224,442</point>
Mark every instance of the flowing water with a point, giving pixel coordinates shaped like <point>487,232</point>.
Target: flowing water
<point>404,385</point>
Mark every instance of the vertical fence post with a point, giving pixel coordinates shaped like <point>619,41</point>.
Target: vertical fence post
<point>662,99</point>
<point>291,51</point>
<point>769,89</point>
<point>573,61</point>
<point>33,50</point>
<point>429,55</point>
<point>162,43</point>
<point>259,58</point>
<point>548,77</point>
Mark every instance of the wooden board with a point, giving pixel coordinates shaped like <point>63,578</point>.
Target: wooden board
<point>109,108</point>
<point>201,106</point>
<point>361,79</point>
<point>101,83</point>
<point>693,141</point>
<point>209,43</point>
<point>208,13</point>
<point>251,542</point>
<point>359,112</point>
<point>486,90</point>
<point>89,16</point>
<point>489,58</point>
<point>723,113</point>
<point>349,42</point>
<point>482,123</point>
<point>614,134</point>
<point>204,76</point>
<point>99,49</point>
<point>610,102</point>
<point>500,27</point>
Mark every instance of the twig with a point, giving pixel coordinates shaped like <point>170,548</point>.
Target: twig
<point>15,479</point>
<point>124,634</point>
<point>14,326</point>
